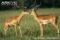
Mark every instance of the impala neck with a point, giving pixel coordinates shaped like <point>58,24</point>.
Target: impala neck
<point>34,13</point>
<point>22,14</point>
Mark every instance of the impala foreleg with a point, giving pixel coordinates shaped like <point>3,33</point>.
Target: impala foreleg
<point>41,30</point>
<point>41,27</point>
<point>5,29</point>
<point>15,29</point>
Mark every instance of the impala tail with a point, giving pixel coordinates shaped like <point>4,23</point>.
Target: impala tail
<point>56,20</point>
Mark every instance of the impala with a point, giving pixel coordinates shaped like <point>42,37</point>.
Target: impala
<point>13,21</point>
<point>45,19</point>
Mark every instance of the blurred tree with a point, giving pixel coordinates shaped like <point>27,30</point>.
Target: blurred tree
<point>42,3</point>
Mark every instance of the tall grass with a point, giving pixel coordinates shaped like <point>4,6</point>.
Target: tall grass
<point>29,27</point>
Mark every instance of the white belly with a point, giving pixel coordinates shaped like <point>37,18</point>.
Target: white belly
<point>44,21</point>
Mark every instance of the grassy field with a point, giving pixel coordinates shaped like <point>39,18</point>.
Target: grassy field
<point>29,26</point>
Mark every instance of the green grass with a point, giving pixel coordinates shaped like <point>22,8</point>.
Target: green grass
<point>29,26</point>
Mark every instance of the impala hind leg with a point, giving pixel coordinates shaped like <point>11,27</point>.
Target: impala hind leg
<point>56,26</point>
<point>20,31</point>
